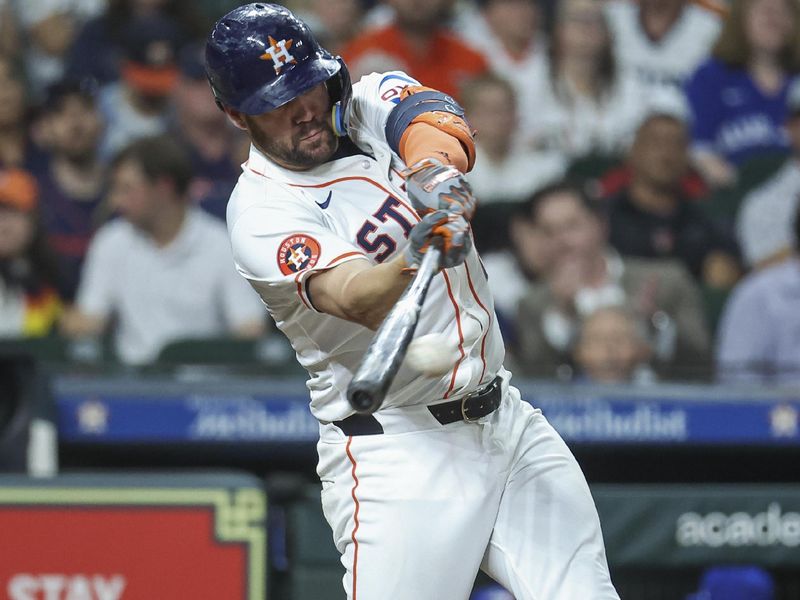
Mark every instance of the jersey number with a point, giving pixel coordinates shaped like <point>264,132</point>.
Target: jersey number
<point>382,243</point>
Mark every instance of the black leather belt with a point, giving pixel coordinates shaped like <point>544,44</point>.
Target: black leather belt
<point>469,408</point>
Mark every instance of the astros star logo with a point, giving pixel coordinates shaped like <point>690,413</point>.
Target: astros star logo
<point>278,53</point>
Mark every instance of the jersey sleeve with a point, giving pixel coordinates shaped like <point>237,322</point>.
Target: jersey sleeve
<point>374,97</point>
<point>278,249</point>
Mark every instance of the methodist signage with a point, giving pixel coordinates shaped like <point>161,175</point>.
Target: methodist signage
<point>267,411</point>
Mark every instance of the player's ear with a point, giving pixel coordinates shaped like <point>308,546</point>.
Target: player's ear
<point>235,117</point>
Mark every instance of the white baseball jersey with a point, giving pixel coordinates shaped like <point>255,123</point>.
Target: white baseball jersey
<point>669,60</point>
<point>285,225</point>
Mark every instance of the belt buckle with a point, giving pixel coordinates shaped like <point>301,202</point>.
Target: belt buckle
<point>464,415</point>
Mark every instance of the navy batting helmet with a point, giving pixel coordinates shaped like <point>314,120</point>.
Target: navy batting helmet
<point>260,56</point>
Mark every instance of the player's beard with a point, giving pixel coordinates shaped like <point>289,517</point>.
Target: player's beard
<point>298,154</point>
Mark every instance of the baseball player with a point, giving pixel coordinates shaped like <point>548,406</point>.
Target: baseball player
<point>345,188</point>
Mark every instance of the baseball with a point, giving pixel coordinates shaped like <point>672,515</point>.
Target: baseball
<point>432,354</point>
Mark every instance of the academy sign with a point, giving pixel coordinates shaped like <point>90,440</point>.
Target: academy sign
<point>771,527</point>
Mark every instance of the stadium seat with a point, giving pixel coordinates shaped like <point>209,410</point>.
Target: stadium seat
<point>592,167</point>
<point>272,354</point>
<point>217,350</point>
<point>713,302</point>
<point>724,203</point>
<point>27,416</point>
<point>57,350</point>
<point>46,349</point>
<point>757,170</point>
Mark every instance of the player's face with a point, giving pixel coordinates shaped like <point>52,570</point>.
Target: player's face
<point>298,135</point>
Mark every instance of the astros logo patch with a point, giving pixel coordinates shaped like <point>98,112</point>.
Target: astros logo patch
<point>297,252</point>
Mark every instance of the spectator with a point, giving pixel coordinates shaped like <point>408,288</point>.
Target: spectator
<point>216,148</point>
<point>583,273</point>
<point>508,34</point>
<point>72,180</point>
<point>505,172</point>
<point>164,271</point>
<point>505,169</point>
<point>336,22</point>
<point>417,42</point>
<point>662,100</point>
<point>612,347</point>
<point>97,52</point>
<point>738,97</point>
<point>652,218</point>
<point>9,30</point>
<point>764,223</point>
<point>138,105</point>
<point>662,42</point>
<point>49,28</point>
<point>586,105</point>
<point>29,303</point>
<point>759,333</point>
<point>516,265</point>
<point>16,147</point>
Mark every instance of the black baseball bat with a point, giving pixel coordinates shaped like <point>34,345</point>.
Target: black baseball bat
<point>385,353</point>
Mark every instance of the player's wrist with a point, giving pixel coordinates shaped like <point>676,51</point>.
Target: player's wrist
<point>404,262</point>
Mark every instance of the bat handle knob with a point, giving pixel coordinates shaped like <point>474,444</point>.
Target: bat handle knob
<point>363,399</point>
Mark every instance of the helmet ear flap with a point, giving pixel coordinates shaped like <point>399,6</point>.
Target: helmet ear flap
<point>340,89</point>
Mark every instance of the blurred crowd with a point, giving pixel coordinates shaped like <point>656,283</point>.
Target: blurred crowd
<point>638,174</point>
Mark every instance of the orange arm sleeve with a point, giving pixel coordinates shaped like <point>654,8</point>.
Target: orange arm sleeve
<point>437,134</point>
<point>422,140</point>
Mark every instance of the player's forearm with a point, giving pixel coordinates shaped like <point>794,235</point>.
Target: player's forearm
<point>358,291</point>
<point>371,293</point>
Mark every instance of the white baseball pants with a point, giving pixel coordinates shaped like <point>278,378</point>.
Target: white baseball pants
<point>417,510</point>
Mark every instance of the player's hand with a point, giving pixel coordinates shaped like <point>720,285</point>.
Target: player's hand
<point>445,230</point>
<point>433,186</point>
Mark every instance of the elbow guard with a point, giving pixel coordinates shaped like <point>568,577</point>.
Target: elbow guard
<point>423,105</point>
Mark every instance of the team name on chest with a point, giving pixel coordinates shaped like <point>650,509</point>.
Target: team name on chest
<point>377,218</point>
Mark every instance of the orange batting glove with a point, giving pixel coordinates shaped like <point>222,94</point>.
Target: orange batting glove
<point>445,230</point>
<point>433,186</point>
